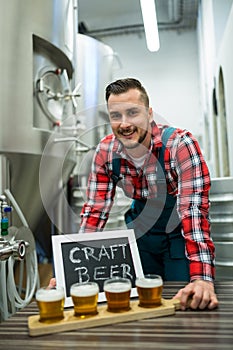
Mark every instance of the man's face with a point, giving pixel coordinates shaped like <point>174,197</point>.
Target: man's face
<point>130,118</point>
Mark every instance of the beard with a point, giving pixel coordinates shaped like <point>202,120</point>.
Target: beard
<point>134,144</point>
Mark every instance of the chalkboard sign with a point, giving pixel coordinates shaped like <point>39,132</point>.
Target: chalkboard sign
<point>95,257</point>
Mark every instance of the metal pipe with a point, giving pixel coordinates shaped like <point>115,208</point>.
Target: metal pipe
<point>17,249</point>
<point>69,139</point>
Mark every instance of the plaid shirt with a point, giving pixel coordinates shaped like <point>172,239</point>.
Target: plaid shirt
<point>187,178</point>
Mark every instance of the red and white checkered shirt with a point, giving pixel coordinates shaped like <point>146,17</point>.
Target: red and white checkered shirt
<point>187,178</point>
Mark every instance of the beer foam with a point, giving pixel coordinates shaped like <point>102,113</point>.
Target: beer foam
<point>149,282</point>
<point>117,287</point>
<point>84,290</point>
<point>49,295</point>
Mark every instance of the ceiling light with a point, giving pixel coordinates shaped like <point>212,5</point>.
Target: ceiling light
<point>150,24</point>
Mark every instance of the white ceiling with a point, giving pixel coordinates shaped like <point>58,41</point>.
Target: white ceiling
<point>99,18</point>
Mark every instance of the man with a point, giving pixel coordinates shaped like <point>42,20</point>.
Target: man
<point>172,226</point>
<point>163,171</point>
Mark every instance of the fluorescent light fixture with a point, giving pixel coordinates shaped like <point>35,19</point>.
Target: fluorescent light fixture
<point>150,24</point>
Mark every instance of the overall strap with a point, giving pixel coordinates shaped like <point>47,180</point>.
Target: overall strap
<point>116,167</point>
<point>165,136</point>
<point>161,180</point>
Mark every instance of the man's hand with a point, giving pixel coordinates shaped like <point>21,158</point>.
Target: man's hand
<point>52,282</point>
<point>199,294</point>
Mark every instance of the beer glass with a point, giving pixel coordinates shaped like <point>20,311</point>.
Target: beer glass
<point>149,290</point>
<point>50,302</point>
<point>85,298</point>
<point>117,291</point>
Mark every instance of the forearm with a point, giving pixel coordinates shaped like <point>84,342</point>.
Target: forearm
<point>202,271</point>
<point>199,246</point>
<point>92,220</point>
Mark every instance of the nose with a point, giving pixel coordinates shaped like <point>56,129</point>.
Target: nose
<point>125,121</point>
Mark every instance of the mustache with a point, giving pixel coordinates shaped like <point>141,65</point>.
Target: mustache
<point>127,130</point>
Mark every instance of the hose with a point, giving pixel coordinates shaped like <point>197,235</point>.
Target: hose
<point>10,295</point>
<point>3,292</point>
<point>31,281</point>
<point>16,207</point>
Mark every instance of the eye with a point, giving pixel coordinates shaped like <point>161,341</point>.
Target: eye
<point>133,112</point>
<point>115,116</point>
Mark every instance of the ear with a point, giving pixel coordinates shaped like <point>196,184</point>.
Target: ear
<point>150,114</point>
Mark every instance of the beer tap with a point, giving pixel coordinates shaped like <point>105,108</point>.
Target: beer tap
<point>8,245</point>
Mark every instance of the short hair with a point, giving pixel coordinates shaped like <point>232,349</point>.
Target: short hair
<point>123,85</point>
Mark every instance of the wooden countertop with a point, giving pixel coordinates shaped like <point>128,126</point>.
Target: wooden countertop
<point>187,330</point>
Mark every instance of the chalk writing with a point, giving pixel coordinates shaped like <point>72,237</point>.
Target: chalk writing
<point>84,261</point>
<point>103,252</point>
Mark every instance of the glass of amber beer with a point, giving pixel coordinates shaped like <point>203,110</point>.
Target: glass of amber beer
<point>149,290</point>
<point>117,291</point>
<point>50,302</point>
<point>85,298</point>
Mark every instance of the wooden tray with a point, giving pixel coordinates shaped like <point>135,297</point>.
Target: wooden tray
<point>104,317</point>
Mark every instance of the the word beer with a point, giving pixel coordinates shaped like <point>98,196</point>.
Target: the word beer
<point>85,298</point>
<point>149,290</point>
<point>50,302</point>
<point>117,292</point>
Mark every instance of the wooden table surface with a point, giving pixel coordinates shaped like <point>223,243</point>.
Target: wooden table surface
<point>187,330</point>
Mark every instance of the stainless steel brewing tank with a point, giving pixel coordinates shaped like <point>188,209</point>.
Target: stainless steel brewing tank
<point>27,28</point>
<point>96,62</point>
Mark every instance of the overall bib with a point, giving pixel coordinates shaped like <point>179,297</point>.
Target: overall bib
<point>157,227</point>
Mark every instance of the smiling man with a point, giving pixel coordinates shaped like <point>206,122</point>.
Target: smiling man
<point>163,170</point>
<point>130,120</point>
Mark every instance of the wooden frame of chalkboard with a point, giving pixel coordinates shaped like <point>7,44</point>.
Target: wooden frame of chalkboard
<point>95,257</point>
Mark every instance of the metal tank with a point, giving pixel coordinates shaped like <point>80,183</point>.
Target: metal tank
<point>96,64</point>
<point>37,62</point>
